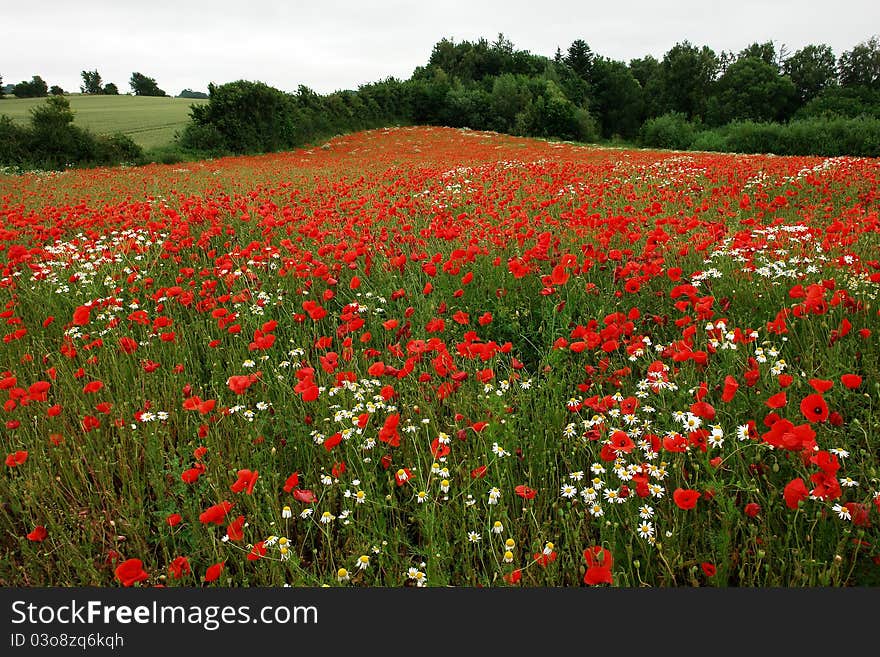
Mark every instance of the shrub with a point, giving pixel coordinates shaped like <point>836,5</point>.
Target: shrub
<point>13,142</point>
<point>117,148</point>
<point>755,137</point>
<point>671,130</point>
<point>828,136</point>
<point>710,140</point>
<point>53,142</point>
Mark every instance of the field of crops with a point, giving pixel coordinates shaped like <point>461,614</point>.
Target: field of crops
<point>150,121</point>
<point>432,357</point>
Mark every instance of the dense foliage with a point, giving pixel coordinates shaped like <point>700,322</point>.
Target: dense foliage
<point>761,99</point>
<point>51,141</point>
<point>36,87</point>
<point>142,85</point>
<point>581,96</point>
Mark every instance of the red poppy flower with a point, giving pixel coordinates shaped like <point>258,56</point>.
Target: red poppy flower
<point>814,408</point>
<point>851,381</point>
<point>179,567</point>
<point>127,345</point>
<point>621,443</point>
<point>240,383</point>
<point>675,443</point>
<point>599,564</point>
<point>292,482</point>
<point>215,514</point>
<point>214,571</point>
<point>685,498</point>
<point>513,577</point>
<point>16,459</point>
<point>629,405</point>
<point>778,400</point>
<point>173,520</point>
<point>785,380</point>
<point>794,492</point>
<point>479,472</point>
<point>827,486</point>
<point>525,492</point>
<point>81,315</point>
<point>752,509</point>
<point>703,410</point>
<point>708,568</point>
<point>543,559</point>
<point>859,514</point>
<point>438,449</point>
<point>246,480</point>
<point>37,391</point>
<point>388,433</point>
<point>305,496</point>
<point>821,385</point>
<point>258,551</point>
<point>784,435</point>
<point>235,529</point>
<point>192,475</point>
<point>402,476</point>
<point>38,534</point>
<point>332,441</point>
<point>131,571</point>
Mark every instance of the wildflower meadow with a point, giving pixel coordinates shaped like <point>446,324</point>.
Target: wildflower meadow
<point>426,357</point>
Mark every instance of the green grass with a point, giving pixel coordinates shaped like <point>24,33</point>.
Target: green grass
<point>150,121</point>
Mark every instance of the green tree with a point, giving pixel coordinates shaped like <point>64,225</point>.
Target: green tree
<point>53,137</point>
<point>55,90</point>
<point>849,102</point>
<point>189,93</point>
<point>510,96</point>
<point>110,89</point>
<point>687,74</point>
<point>766,52</point>
<point>243,117</point>
<point>428,96</point>
<point>752,89</point>
<point>619,104</point>
<point>550,114</point>
<point>142,85</point>
<point>860,67</point>
<point>91,82</point>
<point>35,88</point>
<point>13,141</point>
<point>581,58</point>
<point>575,88</point>
<point>54,114</point>
<point>647,71</point>
<point>812,69</point>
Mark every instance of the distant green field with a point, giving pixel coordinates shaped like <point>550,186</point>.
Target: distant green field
<point>149,121</point>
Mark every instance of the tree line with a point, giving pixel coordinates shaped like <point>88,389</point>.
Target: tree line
<point>762,98</point>
<point>92,84</point>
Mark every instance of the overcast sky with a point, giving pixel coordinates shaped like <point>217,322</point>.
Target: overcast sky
<point>330,45</point>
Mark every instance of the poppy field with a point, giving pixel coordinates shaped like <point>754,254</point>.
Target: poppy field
<point>434,357</point>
